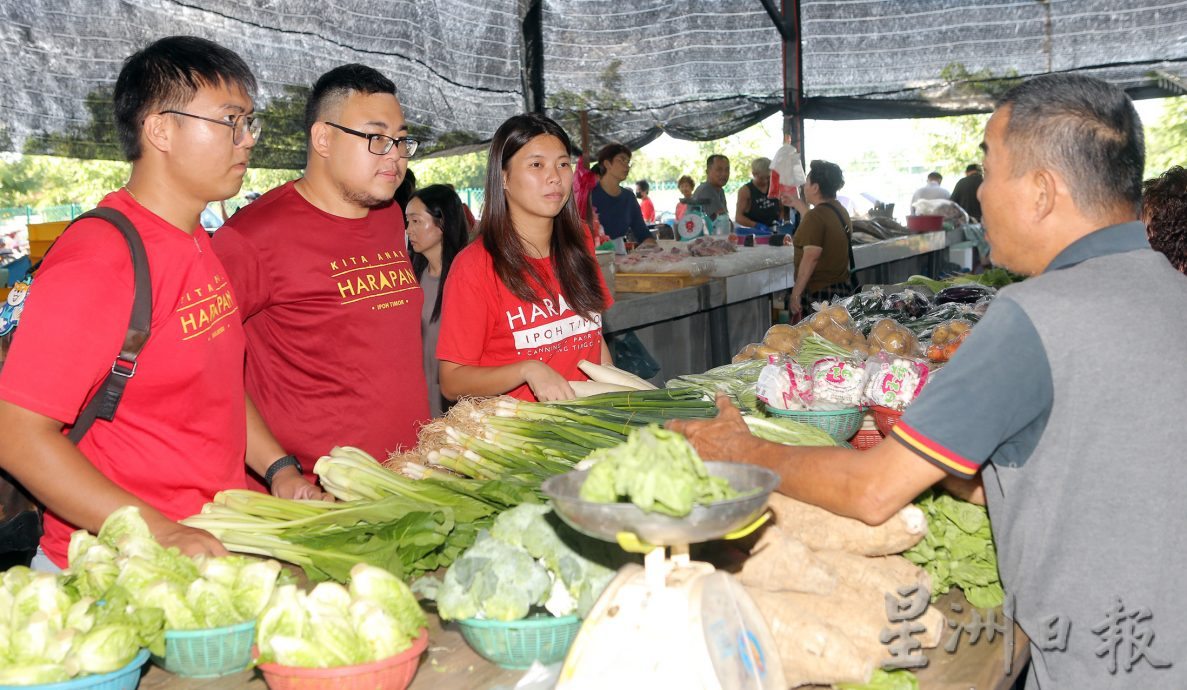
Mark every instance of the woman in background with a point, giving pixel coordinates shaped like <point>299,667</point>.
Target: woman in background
<point>523,304</point>
<point>822,249</point>
<point>437,232</point>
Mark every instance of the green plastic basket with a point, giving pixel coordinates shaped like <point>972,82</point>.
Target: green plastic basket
<point>516,644</point>
<point>840,424</point>
<point>208,653</point>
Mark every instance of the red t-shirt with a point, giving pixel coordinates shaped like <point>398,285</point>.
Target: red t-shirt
<point>483,324</point>
<point>648,210</point>
<point>179,433</point>
<point>332,312</point>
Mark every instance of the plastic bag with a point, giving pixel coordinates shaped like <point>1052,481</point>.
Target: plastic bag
<point>894,382</point>
<point>631,355</point>
<point>784,385</point>
<point>946,338</point>
<point>786,338</point>
<point>832,323</point>
<point>837,383</point>
<point>911,302</point>
<point>890,336</point>
<point>787,172</point>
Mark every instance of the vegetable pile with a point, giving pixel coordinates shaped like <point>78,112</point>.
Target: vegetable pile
<point>958,550</point>
<point>122,591</point>
<point>376,618</point>
<point>529,558</point>
<point>657,470</point>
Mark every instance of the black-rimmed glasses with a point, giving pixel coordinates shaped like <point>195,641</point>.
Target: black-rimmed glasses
<point>239,124</point>
<point>380,144</point>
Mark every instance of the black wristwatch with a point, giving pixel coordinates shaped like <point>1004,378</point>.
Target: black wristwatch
<point>286,461</point>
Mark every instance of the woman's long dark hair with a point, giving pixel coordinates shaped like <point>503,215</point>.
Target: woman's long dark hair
<point>446,209</point>
<point>574,265</point>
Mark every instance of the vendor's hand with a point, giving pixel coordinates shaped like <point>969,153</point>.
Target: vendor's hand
<point>546,383</point>
<point>190,541</point>
<point>726,437</point>
<point>794,201</point>
<point>290,483</point>
<point>795,308</point>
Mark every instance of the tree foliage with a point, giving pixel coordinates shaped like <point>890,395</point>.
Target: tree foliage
<point>1166,138</point>
<point>954,142</point>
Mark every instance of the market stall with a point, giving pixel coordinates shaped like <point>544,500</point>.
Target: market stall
<point>690,329</point>
<point>573,533</point>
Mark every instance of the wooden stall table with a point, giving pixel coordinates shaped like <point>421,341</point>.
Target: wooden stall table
<point>450,664</point>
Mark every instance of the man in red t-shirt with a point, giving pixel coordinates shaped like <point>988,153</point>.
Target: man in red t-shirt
<point>179,435</point>
<point>329,301</point>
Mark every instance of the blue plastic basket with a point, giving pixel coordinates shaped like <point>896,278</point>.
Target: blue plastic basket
<point>208,653</point>
<point>516,644</point>
<point>126,678</point>
<point>840,424</point>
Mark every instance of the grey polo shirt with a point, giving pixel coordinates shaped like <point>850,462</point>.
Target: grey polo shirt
<point>993,399</point>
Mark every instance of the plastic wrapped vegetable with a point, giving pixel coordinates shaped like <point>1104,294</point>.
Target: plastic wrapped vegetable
<point>967,293</point>
<point>837,383</point>
<point>911,302</point>
<point>946,338</point>
<point>784,385</point>
<point>894,382</point>
<point>890,336</point>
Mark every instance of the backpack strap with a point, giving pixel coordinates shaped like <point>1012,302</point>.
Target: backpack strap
<point>105,401</point>
<point>849,239</point>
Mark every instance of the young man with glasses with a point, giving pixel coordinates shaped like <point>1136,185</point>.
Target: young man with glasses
<point>185,119</point>
<point>330,303</point>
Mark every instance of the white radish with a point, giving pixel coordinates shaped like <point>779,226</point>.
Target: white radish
<point>607,374</point>
<point>584,389</point>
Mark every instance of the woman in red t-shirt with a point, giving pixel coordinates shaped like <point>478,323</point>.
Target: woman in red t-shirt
<point>522,305</point>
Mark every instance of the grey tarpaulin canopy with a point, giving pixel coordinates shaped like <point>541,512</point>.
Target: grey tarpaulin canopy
<point>698,69</point>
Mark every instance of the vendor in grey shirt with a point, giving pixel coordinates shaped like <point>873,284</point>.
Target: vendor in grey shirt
<point>711,193</point>
<point>437,231</point>
<point>1067,429</point>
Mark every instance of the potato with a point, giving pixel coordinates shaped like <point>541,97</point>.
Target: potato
<point>837,313</point>
<point>748,352</point>
<point>820,321</point>
<point>779,328</point>
<point>764,351</point>
<point>884,327</point>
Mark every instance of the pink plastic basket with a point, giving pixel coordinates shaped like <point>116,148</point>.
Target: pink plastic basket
<point>392,673</point>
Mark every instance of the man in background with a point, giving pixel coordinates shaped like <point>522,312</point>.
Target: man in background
<point>711,193</point>
<point>931,191</point>
<point>328,297</point>
<point>964,194</point>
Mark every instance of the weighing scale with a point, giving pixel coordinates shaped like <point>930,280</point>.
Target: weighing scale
<point>674,622</point>
<point>693,224</point>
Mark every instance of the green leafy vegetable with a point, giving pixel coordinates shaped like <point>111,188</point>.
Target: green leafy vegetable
<point>376,618</point>
<point>657,470</point>
<point>958,550</point>
<point>884,680</point>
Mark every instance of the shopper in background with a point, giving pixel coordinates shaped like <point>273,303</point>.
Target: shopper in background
<point>711,193</point>
<point>931,191</point>
<point>965,191</point>
<point>523,303</point>
<point>754,206</point>
<point>685,184</point>
<point>326,291</point>
<point>822,249</point>
<point>1164,210</point>
<point>185,119</point>
<point>437,232</point>
<point>1078,491</point>
<point>618,211</point>
<point>643,194</point>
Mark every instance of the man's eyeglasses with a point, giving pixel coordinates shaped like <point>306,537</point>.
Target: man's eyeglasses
<point>239,124</point>
<point>380,144</point>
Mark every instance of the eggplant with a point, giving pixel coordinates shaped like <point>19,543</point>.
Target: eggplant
<point>969,293</point>
<point>910,302</point>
